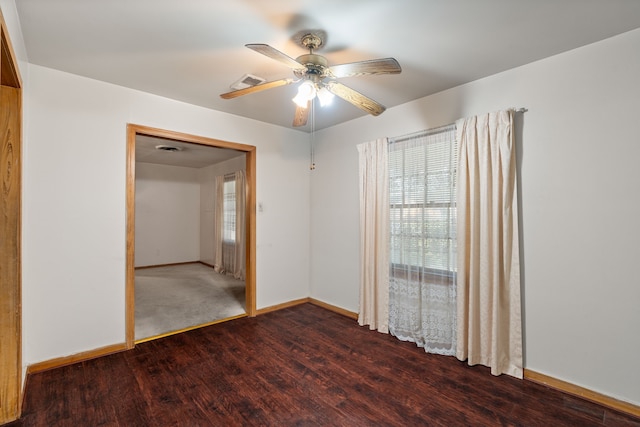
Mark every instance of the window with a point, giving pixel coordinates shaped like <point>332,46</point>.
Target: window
<point>423,203</point>
<point>229,210</point>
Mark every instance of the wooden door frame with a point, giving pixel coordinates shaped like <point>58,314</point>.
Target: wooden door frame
<point>11,289</point>
<point>250,155</point>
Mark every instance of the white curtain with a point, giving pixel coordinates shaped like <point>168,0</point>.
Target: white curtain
<point>239,255</point>
<point>488,279</point>
<point>229,238</point>
<point>218,235</point>
<point>422,290</point>
<point>374,235</point>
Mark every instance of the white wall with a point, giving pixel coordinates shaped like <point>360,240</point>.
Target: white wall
<point>167,214</point>
<point>206,178</point>
<point>580,200</point>
<point>10,14</point>
<point>74,206</point>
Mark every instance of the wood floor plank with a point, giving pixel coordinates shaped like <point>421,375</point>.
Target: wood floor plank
<point>299,366</point>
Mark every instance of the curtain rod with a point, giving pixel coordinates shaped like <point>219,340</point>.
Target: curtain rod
<point>422,133</point>
<point>440,129</point>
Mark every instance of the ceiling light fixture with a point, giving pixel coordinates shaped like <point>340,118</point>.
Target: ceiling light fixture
<point>325,97</point>
<point>308,90</point>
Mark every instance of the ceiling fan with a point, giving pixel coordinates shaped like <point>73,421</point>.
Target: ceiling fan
<point>318,78</point>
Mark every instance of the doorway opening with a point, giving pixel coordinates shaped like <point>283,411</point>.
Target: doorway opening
<point>141,142</point>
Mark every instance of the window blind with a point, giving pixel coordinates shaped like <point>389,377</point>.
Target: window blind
<point>422,174</point>
<point>229,209</point>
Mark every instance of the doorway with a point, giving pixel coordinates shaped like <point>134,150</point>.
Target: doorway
<point>136,132</point>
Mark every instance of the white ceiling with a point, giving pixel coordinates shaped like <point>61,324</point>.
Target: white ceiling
<point>188,155</point>
<point>193,50</point>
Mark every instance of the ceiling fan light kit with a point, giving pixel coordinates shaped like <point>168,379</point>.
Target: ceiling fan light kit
<point>318,78</point>
<point>306,92</point>
<point>325,97</point>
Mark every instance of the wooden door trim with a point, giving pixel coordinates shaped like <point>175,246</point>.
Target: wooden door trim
<point>11,326</point>
<point>250,158</point>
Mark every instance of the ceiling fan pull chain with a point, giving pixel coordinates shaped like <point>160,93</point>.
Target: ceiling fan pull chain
<point>312,166</point>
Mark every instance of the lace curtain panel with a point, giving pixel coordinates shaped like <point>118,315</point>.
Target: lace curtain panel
<point>422,291</point>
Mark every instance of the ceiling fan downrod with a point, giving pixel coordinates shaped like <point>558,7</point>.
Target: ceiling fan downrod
<point>311,42</point>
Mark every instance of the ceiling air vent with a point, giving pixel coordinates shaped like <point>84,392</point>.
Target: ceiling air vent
<point>246,81</point>
<point>169,148</point>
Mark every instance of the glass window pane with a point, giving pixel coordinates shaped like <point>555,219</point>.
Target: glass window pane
<point>229,211</point>
<point>422,174</point>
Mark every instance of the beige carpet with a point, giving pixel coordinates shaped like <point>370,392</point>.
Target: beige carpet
<point>177,297</point>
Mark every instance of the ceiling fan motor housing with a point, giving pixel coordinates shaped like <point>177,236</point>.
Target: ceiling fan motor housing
<point>315,66</point>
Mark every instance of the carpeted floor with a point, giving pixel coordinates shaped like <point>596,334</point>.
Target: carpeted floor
<point>177,297</point>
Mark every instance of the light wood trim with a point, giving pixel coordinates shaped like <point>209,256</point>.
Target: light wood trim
<point>190,328</point>
<point>250,255</point>
<point>10,253</point>
<point>250,156</point>
<point>185,137</point>
<point>75,358</point>
<point>172,264</point>
<point>11,373</point>
<point>130,296</point>
<point>313,301</point>
<point>335,309</point>
<point>585,393</point>
<point>283,306</point>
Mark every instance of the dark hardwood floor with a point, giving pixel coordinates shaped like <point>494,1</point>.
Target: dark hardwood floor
<point>302,366</point>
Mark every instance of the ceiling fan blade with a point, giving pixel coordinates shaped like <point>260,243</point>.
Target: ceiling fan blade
<point>355,97</point>
<point>373,66</point>
<point>256,88</point>
<point>274,53</point>
<point>301,115</point>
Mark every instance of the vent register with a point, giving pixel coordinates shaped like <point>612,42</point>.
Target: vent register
<point>246,81</point>
<point>169,148</point>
